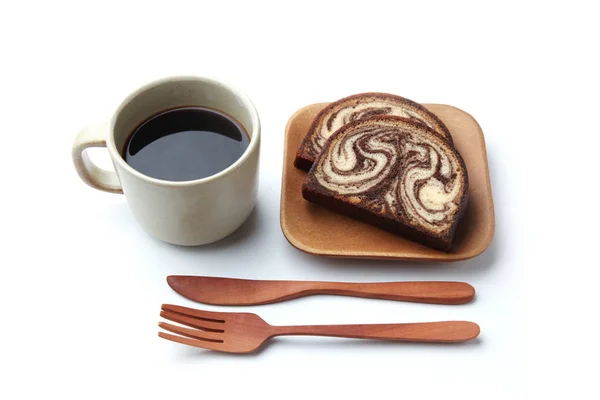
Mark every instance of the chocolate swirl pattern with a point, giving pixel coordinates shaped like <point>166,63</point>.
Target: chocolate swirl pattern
<point>359,107</point>
<point>426,189</point>
<point>394,173</point>
<point>358,163</point>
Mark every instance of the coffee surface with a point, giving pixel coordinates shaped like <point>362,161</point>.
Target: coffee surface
<point>186,144</point>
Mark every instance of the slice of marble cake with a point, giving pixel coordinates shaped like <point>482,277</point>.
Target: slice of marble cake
<point>356,107</point>
<point>393,173</point>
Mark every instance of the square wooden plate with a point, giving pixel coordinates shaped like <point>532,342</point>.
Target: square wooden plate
<point>318,231</point>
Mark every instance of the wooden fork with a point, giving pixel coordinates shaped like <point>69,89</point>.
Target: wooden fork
<point>244,332</point>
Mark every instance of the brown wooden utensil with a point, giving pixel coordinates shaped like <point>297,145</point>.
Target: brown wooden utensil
<point>243,292</point>
<point>244,332</point>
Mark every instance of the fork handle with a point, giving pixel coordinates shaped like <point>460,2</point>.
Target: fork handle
<point>445,332</point>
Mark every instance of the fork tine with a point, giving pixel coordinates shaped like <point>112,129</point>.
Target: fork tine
<point>193,342</point>
<point>193,322</point>
<point>193,333</point>
<point>192,312</point>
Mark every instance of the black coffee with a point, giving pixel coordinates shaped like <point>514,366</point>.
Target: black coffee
<point>186,144</point>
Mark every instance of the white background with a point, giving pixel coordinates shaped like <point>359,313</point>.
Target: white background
<point>82,284</point>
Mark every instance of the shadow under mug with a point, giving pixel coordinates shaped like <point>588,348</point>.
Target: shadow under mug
<point>184,213</point>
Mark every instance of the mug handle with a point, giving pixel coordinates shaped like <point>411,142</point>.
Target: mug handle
<point>98,178</point>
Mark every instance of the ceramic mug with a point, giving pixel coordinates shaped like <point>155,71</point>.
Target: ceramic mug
<point>184,213</point>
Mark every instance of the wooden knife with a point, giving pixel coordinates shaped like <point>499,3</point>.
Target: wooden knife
<point>246,292</point>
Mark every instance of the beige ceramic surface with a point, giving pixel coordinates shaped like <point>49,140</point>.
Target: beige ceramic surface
<point>318,231</point>
<point>185,213</point>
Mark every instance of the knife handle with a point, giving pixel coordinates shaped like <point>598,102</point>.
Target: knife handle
<point>433,292</point>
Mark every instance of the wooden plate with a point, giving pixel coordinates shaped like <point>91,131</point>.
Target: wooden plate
<point>318,231</point>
